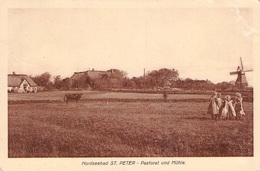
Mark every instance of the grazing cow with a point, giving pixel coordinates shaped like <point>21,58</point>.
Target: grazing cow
<point>72,97</point>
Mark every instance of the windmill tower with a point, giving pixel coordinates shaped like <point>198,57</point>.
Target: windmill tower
<point>241,80</point>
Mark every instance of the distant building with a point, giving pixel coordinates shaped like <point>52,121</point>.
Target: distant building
<point>21,83</point>
<point>88,78</point>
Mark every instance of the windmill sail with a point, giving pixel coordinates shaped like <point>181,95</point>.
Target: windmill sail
<point>234,73</point>
<point>241,64</point>
<point>248,70</point>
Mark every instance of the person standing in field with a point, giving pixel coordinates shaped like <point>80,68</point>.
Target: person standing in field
<point>165,95</point>
<point>220,104</point>
<point>213,108</point>
<point>239,106</point>
<point>228,110</point>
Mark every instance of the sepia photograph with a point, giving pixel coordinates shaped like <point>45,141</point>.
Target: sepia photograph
<point>129,85</point>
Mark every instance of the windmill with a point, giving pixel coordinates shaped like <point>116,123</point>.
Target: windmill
<point>241,81</point>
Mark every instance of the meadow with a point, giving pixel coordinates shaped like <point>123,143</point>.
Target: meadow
<point>99,95</point>
<point>116,128</point>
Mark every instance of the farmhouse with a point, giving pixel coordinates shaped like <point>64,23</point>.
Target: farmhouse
<point>87,78</point>
<point>21,83</point>
<point>94,78</point>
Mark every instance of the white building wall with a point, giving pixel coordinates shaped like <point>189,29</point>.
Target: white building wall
<point>23,88</point>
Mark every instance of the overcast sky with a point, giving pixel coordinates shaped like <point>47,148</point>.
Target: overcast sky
<point>201,43</point>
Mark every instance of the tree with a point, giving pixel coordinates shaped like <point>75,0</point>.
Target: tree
<point>161,77</point>
<point>117,78</point>
<point>194,84</point>
<point>224,85</point>
<point>129,83</point>
<point>113,78</point>
<point>102,82</point>
<point>139,82</point>
<point>57,82</point>
<point>83,82</point>
<point>66,83</point>
<point>43,80</point>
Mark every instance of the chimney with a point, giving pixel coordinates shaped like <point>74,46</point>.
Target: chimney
<point>14,73</point>
<point>92,69</point>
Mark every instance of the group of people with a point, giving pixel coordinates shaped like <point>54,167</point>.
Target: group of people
<point>226,108</point>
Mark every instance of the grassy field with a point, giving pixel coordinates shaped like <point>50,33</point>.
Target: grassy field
<point>58,95</point>
<point>123,129</point>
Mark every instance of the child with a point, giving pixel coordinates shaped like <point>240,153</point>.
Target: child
<point>213,108</point>
<point>220,104</point>
<point>239,106</point>
<point>228,110</point>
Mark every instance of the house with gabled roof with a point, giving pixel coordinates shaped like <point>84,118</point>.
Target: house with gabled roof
<point>21,83</point>
<point>87,78</point>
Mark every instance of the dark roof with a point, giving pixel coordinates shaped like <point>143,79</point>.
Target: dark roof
<point>15,80</point>
<point>78,75</point>
<point>96,74</point>
<point>93,74</point>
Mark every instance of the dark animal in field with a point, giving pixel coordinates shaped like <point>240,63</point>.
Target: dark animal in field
<point>72,97</point>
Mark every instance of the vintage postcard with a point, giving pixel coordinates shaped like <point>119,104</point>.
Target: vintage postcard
<point>123,85</point>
